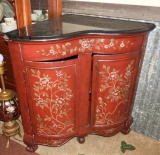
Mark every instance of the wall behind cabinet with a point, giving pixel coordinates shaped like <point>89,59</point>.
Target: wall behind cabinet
<point>130,2</point>
<point>146,110</point>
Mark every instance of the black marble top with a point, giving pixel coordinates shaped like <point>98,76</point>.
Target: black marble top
<point>75,25</point>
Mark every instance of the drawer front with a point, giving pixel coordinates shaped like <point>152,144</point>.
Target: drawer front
<point>36,51</point>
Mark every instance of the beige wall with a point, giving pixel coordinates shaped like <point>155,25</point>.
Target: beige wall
<point>130,2</point>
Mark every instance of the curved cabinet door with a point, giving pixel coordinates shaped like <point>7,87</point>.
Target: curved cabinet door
<point>52,89</point>
<point>113,84</point>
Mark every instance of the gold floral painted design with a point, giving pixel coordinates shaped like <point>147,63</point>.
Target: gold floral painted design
<point>86,45</point>
<point>115,44</point>
<point>57,49</point>
<point>116,87</point>
<point>110,132</point>
<point>51,142</point>
<point>53,97</point>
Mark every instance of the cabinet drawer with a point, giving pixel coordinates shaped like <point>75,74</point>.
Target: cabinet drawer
<point>61,49</point>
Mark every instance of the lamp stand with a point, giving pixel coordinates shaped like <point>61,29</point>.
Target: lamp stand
<point>9,109</point>
<point>10,128</point>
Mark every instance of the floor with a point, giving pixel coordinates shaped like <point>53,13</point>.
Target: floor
<point>98,145</point>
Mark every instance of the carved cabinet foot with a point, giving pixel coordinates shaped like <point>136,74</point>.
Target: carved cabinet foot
<point>125,131</point>
<point>32,148</point>
<point>127,126</point>
<point>81,140</point>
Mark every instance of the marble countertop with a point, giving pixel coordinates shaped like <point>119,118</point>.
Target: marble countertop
<point>70,25</point>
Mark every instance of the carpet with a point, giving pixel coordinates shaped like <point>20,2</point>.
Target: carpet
<point>14,148</point>
<point>98,145</point>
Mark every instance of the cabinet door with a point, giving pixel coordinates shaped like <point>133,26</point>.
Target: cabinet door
<point>52,89</point>
<point>113,84</point>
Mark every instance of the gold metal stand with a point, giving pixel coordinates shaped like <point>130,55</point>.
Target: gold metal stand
<point>10,126</point>
<point>9,129</point>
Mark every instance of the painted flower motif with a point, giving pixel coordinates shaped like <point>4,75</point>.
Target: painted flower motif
<point>85,44</point>
<point>59,73</point>
<point>122,45</point>
<point>44,81</point>
<point>111,44</point>
<point>43,94</point>
<point>41,104</point>
<point>128,74</point>
<point>102,40</point>
<point>10,109</point>
<point>106,46</point>
<point>64,53</point>
<point>59,101</point>
<point>7,103</point>
<point>68,44</point>
<point>68,94</point>
<point>52,50</point>
<point>113,75</point>
<point>114,94</point>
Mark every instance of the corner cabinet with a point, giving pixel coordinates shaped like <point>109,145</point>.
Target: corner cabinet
<point>76,75</point>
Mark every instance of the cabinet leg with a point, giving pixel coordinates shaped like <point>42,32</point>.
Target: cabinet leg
<point>81,140</point>
<point>32,148</point>
<point>127,126</point>
<point>125,131</point>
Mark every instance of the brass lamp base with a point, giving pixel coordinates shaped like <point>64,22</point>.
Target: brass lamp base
<point>9,109</point>
<point>10,128</point>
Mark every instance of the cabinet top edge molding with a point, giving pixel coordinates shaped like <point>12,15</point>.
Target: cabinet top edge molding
<point>70,25</point>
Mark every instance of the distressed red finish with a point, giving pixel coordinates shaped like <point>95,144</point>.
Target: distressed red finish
<point>76,86</point>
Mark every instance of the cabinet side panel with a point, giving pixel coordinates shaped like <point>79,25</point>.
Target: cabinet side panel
<point>17,64</point>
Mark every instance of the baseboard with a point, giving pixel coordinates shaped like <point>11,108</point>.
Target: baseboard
<point>112,10</point>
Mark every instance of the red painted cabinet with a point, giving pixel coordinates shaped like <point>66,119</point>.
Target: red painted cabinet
<point>72,86</point>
